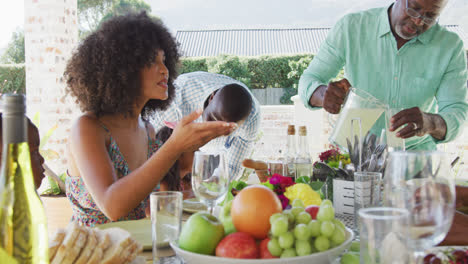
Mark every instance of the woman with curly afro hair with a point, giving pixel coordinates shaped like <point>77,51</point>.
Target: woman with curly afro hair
<point>120,75</point>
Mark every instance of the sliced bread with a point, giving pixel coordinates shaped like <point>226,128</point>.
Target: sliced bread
<point>55,242</point>
<point>136,249</point>
<point>73,231</point>
<point>74,252</point>
<point>117,252</point>
<point>103,244</point>
<point>89,247</point>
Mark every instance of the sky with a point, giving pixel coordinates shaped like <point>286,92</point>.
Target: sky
<point>11,18</point>
<point>216,14</point>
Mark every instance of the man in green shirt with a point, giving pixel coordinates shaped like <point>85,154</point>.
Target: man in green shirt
<point>404,58</point>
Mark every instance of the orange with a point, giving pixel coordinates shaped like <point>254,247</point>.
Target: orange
<point>251,210</point>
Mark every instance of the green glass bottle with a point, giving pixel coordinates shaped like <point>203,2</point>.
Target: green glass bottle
<point>23,225</point>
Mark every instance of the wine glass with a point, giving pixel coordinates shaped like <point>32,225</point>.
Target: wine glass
<point>210,177</point>
<point>422,183</point>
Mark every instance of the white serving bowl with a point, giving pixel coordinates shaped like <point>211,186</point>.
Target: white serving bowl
<point>324,257</point>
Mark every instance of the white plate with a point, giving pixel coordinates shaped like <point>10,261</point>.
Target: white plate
<point>325,257</point>
<point>139,229</point>
<point>193,206</point>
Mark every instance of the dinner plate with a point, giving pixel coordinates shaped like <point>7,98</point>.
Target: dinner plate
<point>324,257</point>
<point>140,230</point>
<point>193,205</point>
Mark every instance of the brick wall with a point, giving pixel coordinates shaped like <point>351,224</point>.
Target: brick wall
<point>51,33</point>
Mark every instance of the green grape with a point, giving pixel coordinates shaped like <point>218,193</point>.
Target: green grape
<point>297,203</point>
<point>275,217</point>
<point>296,211</point>
<point>314,228</point>
<point>350,258</point>
<point>355,246</point>
<point>303,218</point>
<point>286,240</point>
<point>322,243</point>
<point>288,253</point>
<point>326,213</point>
<point>274,247</point>
<point>338,237</point>
<point>338,222</point>
<point>290,217</point>
<point>279,227</point>
<point>327,228</point>
<point>301,232</point>
<point>303,247</point>
<point>326,202</point>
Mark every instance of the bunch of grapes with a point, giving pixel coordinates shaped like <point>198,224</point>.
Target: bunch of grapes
<point>294,233</point>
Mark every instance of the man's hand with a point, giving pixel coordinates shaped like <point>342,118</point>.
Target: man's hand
<point>331,97</point>
<point>418,124</point>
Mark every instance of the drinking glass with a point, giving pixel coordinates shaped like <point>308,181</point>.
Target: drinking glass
<point>366,193</point>
<point>382,235</point>
<point>210,177</point>
<point>394,142</point>
<point>421,182</point>
<point>166,219</point>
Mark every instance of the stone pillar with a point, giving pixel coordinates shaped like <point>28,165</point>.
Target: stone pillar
<point>51,33</point>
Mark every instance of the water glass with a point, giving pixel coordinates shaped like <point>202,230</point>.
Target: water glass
<point>422,183</point>
<point>166,219</point>
<point>366,193</point>
<point>394,142</point>
<point>383,231</point>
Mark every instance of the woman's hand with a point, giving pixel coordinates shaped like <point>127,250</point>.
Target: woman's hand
<point>190,136</point>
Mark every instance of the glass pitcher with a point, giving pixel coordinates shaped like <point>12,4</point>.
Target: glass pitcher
<point>359,105</point>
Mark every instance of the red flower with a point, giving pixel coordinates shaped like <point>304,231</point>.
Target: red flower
<point>284,200</point>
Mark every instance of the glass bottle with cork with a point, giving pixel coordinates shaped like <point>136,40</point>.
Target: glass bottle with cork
<point>303,162</point>
<point>290,155</point>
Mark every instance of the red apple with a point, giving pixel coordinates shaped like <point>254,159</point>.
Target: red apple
<point>264,252</point>
<point>237,245</point>
<point>312,210</point>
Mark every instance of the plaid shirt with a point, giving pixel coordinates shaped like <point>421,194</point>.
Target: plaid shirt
<point>192,89</point>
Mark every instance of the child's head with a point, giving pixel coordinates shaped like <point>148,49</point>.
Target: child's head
<point>104,74</point>
<point>36,158</point>
<point>181,167</point>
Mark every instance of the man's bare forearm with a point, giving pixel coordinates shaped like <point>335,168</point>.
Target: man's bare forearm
<point>316,99</point>
<point>437,126</point>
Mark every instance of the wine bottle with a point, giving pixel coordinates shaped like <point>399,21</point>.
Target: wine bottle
<point>23,225</point>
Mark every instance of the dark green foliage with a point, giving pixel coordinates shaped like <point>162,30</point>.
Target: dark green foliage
<point>233,66</point>
<point>12,78</point>
<point>193,64</point>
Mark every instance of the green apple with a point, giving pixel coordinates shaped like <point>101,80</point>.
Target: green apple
<point>226,219</point>
<point>201,233</point>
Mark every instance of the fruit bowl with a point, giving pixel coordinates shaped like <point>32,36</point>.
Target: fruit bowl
<point>324,257</point>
